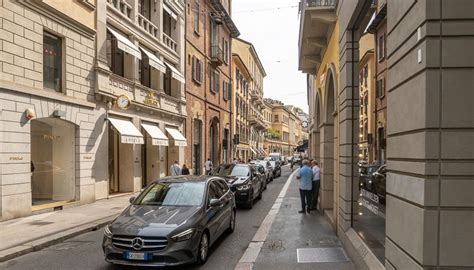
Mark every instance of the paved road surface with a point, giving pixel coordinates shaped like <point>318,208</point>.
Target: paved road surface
<point>85,252</point>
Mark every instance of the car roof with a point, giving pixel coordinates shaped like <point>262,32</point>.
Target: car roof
<point>186,179</point>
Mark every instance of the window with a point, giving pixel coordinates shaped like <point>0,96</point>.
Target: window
<point>276,118</point>
<point>226,90</point>
<point>196,17</point>
<point>115,56</point>
<point>366,74</point>
<point>214,34</point>
<point>380,88</point>
<point>167,82</point>
<point>237,78</point>
<point>144,70</point>
<point>225,45</point>
<point>197,70</point>
<point>144,8</point>
<point>214,80</point>
<point>381,47</point>
<point>167,23</point>
<point>52,62</point>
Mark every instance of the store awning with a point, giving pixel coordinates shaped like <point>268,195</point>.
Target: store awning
<point>179,139</point>
<point>125,44</point>
<point>176,74</point>
<point>264,152</point>
<point>157,136</point>
<point>154,61</point>
<point>170,12</point>
<point>127,130</point>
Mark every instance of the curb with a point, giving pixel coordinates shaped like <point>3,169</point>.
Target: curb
<point>52,239</point>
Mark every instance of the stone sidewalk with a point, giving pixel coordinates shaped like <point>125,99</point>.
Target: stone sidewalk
<point>23,235</point>
<point>289,240</point>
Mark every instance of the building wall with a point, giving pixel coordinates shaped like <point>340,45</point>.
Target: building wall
<point>214,105</point>
<point>22,88</point>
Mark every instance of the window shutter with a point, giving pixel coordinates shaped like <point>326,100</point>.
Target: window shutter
<point>193,67</point>
<point>229,86</point>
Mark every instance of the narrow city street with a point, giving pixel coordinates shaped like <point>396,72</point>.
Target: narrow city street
<point>85,252</point>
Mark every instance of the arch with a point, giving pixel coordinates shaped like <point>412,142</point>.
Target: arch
<point>330,90</point>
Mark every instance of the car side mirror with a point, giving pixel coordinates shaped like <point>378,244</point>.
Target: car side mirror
<point>215,203</point>
<point>132,199</point>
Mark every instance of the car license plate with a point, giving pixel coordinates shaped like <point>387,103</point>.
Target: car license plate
<point>139,256</point>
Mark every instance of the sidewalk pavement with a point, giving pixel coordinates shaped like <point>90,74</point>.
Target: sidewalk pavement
<point>289,240</point>
<point>23,235</point>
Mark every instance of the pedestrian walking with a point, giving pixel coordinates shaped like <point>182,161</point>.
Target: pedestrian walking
<point>208,166</point>
<point>184,170</point>
<point>175,169</point>
<point>305,176</point>
<point>316,185</point>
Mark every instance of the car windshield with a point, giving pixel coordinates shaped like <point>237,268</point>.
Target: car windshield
<point>231,170</point>
<point>173,194</point>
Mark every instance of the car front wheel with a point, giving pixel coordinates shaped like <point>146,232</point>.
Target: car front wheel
<point>231,228</point>
<point>203,250</point>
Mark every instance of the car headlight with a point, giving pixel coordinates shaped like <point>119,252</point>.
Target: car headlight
<point>243,187</point>
<point>183,236</point>
<point>107,232</point>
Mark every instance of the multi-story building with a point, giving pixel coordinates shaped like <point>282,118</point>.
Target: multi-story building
<point>253,104</point>
<point>92,99</point>
<point>241,80</point>
<point>139,90</point>
<point>47,106</point>
<point>209,33</point>
<point>366,97</point>
<point>411,218</point>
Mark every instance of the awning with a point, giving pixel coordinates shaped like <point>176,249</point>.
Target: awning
<point>264,152</point>
<point>176,74</point>
<point>170,12</point>
<point>154,61</point>
<point>253,150</point>
<point>179,139</point>
<point>157,136</point>
<point>127,130</point>
<point>125,44</point>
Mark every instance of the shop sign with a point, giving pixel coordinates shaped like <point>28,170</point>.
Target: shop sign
<point>131,140</point>
<point>16,158</point>
<point>160,142</point>
<point>51,137</point>
<point>371,207</point>
<point>180,143</point>
<point>151,100</point>
<point>369,195</point>
<point>87,157</point>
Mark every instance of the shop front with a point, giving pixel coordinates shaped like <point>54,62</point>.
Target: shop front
<point>155,146</point>
<point>52,161</point>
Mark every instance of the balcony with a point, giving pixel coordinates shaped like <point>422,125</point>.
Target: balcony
<point>217,55</point>
<point>147,25</point>
<point>121,7</point>
<point>318,18</point>
<point>170,43</point>
<point>112,85</point>
<point>257,121</point>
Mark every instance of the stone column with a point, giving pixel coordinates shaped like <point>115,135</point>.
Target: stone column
<point>348,111</point>
<point>430,184</point>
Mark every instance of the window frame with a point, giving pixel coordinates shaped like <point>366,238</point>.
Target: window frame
<point>196,18</point>
<point>196,69</point>
<point>381,48</point>
<point>60,85</point>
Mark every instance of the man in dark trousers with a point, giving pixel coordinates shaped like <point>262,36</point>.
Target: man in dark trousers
<point>305,176</point>
<point>316,184</point>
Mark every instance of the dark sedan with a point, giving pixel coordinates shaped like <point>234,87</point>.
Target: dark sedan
<point>173,221</point>
<point>244,180</point>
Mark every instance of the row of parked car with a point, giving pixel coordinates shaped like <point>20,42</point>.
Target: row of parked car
<point>176,219</point>
<point>372,178</point>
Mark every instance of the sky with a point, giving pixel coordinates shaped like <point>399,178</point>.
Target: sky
<point>274,34</point>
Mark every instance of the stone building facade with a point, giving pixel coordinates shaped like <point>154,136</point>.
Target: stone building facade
<point>47,112</point>
<point>209,33</point>
<point>93,100</point>
<point>425,216</point>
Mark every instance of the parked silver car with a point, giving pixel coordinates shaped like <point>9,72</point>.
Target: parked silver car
<point>173,221</point>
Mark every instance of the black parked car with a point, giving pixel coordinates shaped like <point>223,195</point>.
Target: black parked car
<point>268,168</point>
<point>244,180</point>
<point>261,173</point>
<point>366,176</point>
<point>276,165</point>
<point>173,221</point>
<point>380,183</point>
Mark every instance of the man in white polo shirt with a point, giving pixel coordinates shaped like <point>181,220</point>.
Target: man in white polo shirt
<point>316,184</point>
